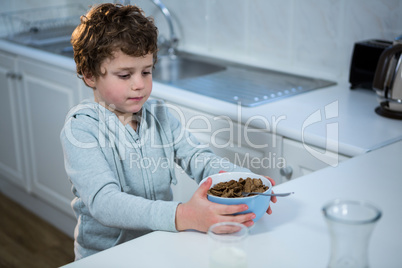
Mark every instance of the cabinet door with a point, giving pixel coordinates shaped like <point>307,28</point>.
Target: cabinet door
<point>12,147</point>
<point>299,161</point>
<point>49,92</point>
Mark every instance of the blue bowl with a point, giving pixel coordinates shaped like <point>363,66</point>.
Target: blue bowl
<point>258,204</point>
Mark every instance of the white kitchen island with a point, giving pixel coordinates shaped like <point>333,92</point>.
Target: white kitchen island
<point>295,235</point>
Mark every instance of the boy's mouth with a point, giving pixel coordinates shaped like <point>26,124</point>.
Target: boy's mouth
<point>136,98</point>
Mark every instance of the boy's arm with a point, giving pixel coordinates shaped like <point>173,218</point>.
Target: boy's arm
<point>99,189</point>
<point>195,158</point>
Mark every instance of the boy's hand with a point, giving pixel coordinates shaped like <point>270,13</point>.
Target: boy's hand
<point>199,213</point>
<point>273,198</point>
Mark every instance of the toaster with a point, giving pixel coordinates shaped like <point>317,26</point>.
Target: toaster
<point>364,62</point>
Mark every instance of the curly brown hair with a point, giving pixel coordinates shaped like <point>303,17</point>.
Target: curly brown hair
<point>107,28</point>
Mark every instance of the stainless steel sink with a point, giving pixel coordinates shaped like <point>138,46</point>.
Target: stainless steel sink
<point>55,40</point>
<point>171,68</point>
<point>62,48</point>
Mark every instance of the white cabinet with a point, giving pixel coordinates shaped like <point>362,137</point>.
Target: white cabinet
<point>302,159</point>
<point>34,100</point>
<point>48,93</point>
<point>13,164</point>
<point>240,144</point>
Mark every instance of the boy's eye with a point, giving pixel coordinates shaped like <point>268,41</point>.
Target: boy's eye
<point>146,73</point>
<point>124,76</point>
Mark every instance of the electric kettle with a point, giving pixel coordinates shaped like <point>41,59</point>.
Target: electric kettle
<point>387,81</point>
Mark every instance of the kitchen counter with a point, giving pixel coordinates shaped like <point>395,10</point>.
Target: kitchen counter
<point>334,118</point>
<point>356,128</point>
<point>295,235</point>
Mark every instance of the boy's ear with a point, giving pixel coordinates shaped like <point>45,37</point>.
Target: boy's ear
<point>89,80</point>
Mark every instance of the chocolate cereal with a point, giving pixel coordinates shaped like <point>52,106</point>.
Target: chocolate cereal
<point>234,189</point>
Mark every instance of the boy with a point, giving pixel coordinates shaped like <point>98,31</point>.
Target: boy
<point>115,49</point>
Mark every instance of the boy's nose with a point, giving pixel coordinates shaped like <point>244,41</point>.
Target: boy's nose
<point>138,83</point>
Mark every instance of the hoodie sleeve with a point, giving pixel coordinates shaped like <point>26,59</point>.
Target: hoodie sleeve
<point>197,159</point>
<point>95,182</point>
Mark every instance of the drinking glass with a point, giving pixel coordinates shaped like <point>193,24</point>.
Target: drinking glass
<point>350,225</point>
<point>227,244</point>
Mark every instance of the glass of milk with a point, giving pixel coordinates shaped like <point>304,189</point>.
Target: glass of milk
<point>227,245</point>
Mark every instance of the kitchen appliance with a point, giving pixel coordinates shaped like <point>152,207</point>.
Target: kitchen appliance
<point>364,62</point>
<point>387,81</point>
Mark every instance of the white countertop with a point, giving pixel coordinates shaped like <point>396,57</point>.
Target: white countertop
<point>354,126</point>
<point>295,235</point>
<point>359,128</point>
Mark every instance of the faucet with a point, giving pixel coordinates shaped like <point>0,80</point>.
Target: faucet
<point>174,41</point>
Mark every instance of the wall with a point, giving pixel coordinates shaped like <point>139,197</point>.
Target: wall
<point>286,34</point>
<point>290,35</point>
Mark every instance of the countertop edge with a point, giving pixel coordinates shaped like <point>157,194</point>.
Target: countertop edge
<point>36,54</point>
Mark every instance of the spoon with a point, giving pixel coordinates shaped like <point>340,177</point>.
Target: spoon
<point>281,194</point>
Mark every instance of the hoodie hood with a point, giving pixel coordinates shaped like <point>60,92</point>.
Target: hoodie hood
<point>86,107</point>
<point>110,127</point>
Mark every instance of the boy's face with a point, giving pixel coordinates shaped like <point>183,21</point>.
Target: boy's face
<point>126,85</point>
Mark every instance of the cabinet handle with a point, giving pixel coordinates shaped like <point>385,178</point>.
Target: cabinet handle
<point>287,172</point>
<point>13,75</point>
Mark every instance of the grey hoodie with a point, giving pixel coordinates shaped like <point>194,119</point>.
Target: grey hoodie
<point>121,178</point>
